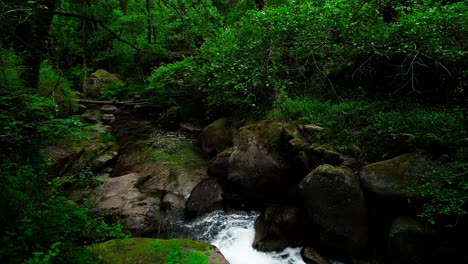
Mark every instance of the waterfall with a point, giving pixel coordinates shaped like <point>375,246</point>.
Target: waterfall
<point>233,234</point>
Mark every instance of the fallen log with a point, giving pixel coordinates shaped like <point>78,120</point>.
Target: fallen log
<point>136,102</point>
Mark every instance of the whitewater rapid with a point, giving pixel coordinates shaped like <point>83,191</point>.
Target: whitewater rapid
<point>233,234</point>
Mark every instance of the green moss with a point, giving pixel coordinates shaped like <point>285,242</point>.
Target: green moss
<point>137,250</point>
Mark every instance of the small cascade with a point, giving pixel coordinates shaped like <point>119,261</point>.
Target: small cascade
<point>233,234</point>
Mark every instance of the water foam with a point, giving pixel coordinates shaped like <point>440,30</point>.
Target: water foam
<point>233,234</point>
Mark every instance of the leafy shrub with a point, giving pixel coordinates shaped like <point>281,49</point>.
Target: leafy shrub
<point>380,128</point>
<point>445,186</point>
<point>56,87</point>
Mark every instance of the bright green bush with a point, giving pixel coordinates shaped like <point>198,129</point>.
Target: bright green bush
<point>380,128</point>
<point>445,186</point>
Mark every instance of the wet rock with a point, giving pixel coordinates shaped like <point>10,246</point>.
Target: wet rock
<point>216,137</point>
<point>311,256</point>
<point>277,228</point>
<point>391,177</point>
<point>335,202</point>
<point>205,198</point>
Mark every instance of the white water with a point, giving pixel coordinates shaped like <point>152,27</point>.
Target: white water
<point>233,234</point>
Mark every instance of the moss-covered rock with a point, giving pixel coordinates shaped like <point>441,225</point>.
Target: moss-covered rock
<point>96,82</point>
<point>260,164</point>
<point>154,251</point>
<point>218,166</point>
<point>335,203</point>
<point>71,156</point>
<point>216,137</point>
<point>391,177</point>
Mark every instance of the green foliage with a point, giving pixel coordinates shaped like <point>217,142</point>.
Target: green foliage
<point>56,87</point>
<point>380,128</point>
<point>173,81</point>
<point>327,48</point>
<point>38,224</point>
<point>445,186</point>
<point>173,253</point>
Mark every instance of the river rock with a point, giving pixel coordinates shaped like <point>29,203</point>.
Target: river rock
<point>206,197</point>
<point>335,202</point>
<point>278,228</point>
<point>311,256</point>
<point>108,109</point>
<point>391,177</point>
<point>216,137</point>
<point>96,82</point>
<point>325,154</point>
<point>259,163</point>
<point>139,211</point>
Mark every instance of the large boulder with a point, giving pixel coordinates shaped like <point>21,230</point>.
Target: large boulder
<point>122,197</point>
<point>97,81</point>
<point>335,203</point>
<point>154,251</point>
<point>216,137</point>
<point>206,197</point>
<point>259,164</point>
<point>391,177</point>
<point>277,228</point>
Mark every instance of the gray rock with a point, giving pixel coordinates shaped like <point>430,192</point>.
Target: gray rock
<point>335,202</point>
<point>216,137</point>
<point>205,198</point>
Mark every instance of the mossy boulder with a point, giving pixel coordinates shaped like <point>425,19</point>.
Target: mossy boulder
<point>97,81</point>
<point>216,137</point>
<point>260,164</point>
<point>391,177</point>
<point>154,251</point>
<point>335,203</point>
<point>72,156</point>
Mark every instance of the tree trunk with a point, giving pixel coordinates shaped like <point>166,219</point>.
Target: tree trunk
<point>31,40</point>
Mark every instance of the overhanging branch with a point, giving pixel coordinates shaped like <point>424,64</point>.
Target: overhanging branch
<point>103,25</point>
